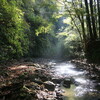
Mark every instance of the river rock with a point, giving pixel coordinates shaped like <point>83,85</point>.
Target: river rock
<point>40,71</point>
<point>49,85</point>
<point>39,96</point>
<point>59,96</point>
<point>67,83</point>
<point>32,85</point>
<point>57,80</point>
<point>42,95</point>
<point>38,81</point>
<point>45,78</point>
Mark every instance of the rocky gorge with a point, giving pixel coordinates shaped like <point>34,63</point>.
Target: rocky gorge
<point>40,79</point>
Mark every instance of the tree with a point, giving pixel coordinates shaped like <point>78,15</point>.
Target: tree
<point>12,38</point>
<point>86,19</point>
<point>24,26</point>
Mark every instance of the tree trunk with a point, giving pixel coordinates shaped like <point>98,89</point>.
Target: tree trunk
<point>88,20</point>
<point>98,6</point>
<point>81,19</point>
<point>93,20</point>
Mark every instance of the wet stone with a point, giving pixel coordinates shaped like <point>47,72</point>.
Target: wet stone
<point>38,81</point>
<point>57,80</point>
<point>59,98</point>
<point>40,71</point>
<point>44,78</point>
<point>42,95</point>
<point>49,85</point>
<point>67,83</point>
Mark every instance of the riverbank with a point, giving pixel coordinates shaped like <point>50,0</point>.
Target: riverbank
<point>93,69</point>
<point>28,80</point>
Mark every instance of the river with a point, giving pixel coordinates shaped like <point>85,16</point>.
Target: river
<point>82,88</point>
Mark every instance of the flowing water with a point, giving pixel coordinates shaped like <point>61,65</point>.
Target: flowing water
<point>82,88</point>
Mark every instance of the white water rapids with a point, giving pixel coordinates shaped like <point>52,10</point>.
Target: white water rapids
<point>82,89</point>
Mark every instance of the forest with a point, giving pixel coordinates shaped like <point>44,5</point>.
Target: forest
<point>45,33</point>
<point>54,28</point>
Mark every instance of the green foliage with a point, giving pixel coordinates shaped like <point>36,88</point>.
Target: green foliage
<point>42,27</point>
<point>71,45</point>
<point>25,28</point>
<point>12,38</point>
<point>85,17</point>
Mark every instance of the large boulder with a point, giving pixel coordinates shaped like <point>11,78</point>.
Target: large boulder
<point>49,85</point>
<point>67,83</point>
<point>57,80</point>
